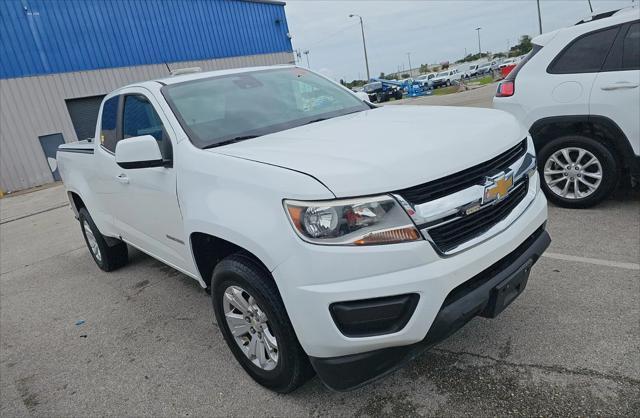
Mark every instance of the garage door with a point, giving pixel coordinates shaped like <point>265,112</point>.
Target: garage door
<point>84,114</point>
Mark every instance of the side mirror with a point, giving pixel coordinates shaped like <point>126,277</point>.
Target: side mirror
<point>139,152</point>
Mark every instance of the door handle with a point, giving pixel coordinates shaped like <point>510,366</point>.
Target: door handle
<point>122,178</point>
<point>619,85</point>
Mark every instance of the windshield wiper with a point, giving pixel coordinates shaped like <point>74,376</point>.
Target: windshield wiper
<point>232,140</point>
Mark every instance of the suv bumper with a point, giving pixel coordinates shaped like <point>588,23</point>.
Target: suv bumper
<point>462,304</point>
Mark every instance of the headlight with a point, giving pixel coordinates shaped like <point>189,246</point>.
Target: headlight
<point>364,221</point>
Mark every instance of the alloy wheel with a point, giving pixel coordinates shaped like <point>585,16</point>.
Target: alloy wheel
<point>573,173</point>
<point>250,328</point>
<point>91,240</point>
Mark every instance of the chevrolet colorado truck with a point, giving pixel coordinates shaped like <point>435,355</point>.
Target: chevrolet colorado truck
<point>335,236</point>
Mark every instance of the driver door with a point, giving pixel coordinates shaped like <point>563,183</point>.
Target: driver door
<point>147,211</point>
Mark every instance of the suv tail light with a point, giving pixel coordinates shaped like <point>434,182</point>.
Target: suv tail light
<point>506,88</point>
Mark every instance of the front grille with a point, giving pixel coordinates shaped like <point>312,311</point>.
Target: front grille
<point>459,181</point>
<point>448,236</point>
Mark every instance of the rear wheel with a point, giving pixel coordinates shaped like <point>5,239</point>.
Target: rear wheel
<point>107,257</point>
<point>577,171</point>
<point>255,324</point>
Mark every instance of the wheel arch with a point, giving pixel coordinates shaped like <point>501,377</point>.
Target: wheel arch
<point>599,128</point>
<point>208,250</point>
<point>76,202</point>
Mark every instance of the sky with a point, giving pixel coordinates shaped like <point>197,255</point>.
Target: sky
<point>432,31</point>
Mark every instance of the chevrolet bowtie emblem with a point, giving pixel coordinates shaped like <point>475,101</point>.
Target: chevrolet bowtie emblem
<point>497,187</point>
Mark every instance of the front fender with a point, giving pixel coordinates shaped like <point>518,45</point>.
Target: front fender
<point>240,201</point>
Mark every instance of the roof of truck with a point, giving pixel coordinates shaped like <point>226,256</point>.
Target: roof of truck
<point>153,84</point>
<point>206,74</point>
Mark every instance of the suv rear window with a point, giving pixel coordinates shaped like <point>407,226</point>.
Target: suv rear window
<point>585,54</point>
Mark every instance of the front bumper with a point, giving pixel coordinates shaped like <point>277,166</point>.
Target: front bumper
<point>462,304</point>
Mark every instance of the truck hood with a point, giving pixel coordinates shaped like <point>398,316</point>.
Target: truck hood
<point>385,149</point>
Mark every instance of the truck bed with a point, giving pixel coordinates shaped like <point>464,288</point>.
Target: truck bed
<point>82,147</point>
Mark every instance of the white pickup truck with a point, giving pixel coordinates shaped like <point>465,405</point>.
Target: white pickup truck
<point>334,236</point>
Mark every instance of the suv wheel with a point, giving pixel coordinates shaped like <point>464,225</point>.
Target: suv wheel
<point>255,324</point>
<point>107,257</point>
<point>577,171</point>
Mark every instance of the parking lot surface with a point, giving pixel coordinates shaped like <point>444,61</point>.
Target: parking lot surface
<point>476,97</point>
<point>149,345</point>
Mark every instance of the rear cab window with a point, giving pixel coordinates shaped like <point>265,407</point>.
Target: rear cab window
<point>108,124</point>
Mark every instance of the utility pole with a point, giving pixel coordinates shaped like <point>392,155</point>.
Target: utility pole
<point>590,7</point>
<point>409,55</point>
<point>539,17</point>
<point>465,52</point>
<point>306,52</point>
<point>479,47</point>
<point>364,45</point>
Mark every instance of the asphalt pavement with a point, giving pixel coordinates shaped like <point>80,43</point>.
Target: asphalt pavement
<point>149,345</point>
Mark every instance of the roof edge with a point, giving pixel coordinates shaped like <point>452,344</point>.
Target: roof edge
<point>278,2</point>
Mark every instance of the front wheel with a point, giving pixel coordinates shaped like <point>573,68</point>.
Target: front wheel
<point>577,171</point>
<point>448,83</point>
<point>255,324</point>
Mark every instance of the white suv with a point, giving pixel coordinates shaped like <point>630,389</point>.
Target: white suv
<point>577,92</point>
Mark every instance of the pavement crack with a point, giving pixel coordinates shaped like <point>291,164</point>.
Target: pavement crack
<point>6,221</point>
<point>548,368</point>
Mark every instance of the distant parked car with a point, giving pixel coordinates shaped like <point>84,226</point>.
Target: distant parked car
<point>446,78</point>
<point>507,62</point>
<point>578,94</point>
<point>379,92</point>
<point>472,71</point>
<point>426,79</point>
<point>488,67</point>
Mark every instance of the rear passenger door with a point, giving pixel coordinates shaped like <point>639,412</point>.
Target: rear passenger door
<point>616,92</point>
<point>574,70</point>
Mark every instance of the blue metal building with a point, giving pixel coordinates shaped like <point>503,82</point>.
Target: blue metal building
<point>58,58</point>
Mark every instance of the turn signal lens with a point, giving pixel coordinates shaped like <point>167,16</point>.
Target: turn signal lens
<point>389,237</point>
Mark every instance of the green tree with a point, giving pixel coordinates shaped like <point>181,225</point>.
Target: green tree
<point>424,68</point>
<point>524,46</point>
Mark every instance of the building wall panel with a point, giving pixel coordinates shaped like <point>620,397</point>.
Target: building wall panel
<point>46,37</point>
<point>34,106</point>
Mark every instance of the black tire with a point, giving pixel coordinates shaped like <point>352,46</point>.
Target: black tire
<point>111,257</point>
<point>293,367</point>
<point>448,83</point>
<point>610,170</point>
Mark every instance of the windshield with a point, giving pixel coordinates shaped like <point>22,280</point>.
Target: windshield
<point>485,65</point>
<point>223,109</point>
<point>442,74</point>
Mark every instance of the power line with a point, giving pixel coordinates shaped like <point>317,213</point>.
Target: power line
<point>332,34</point>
